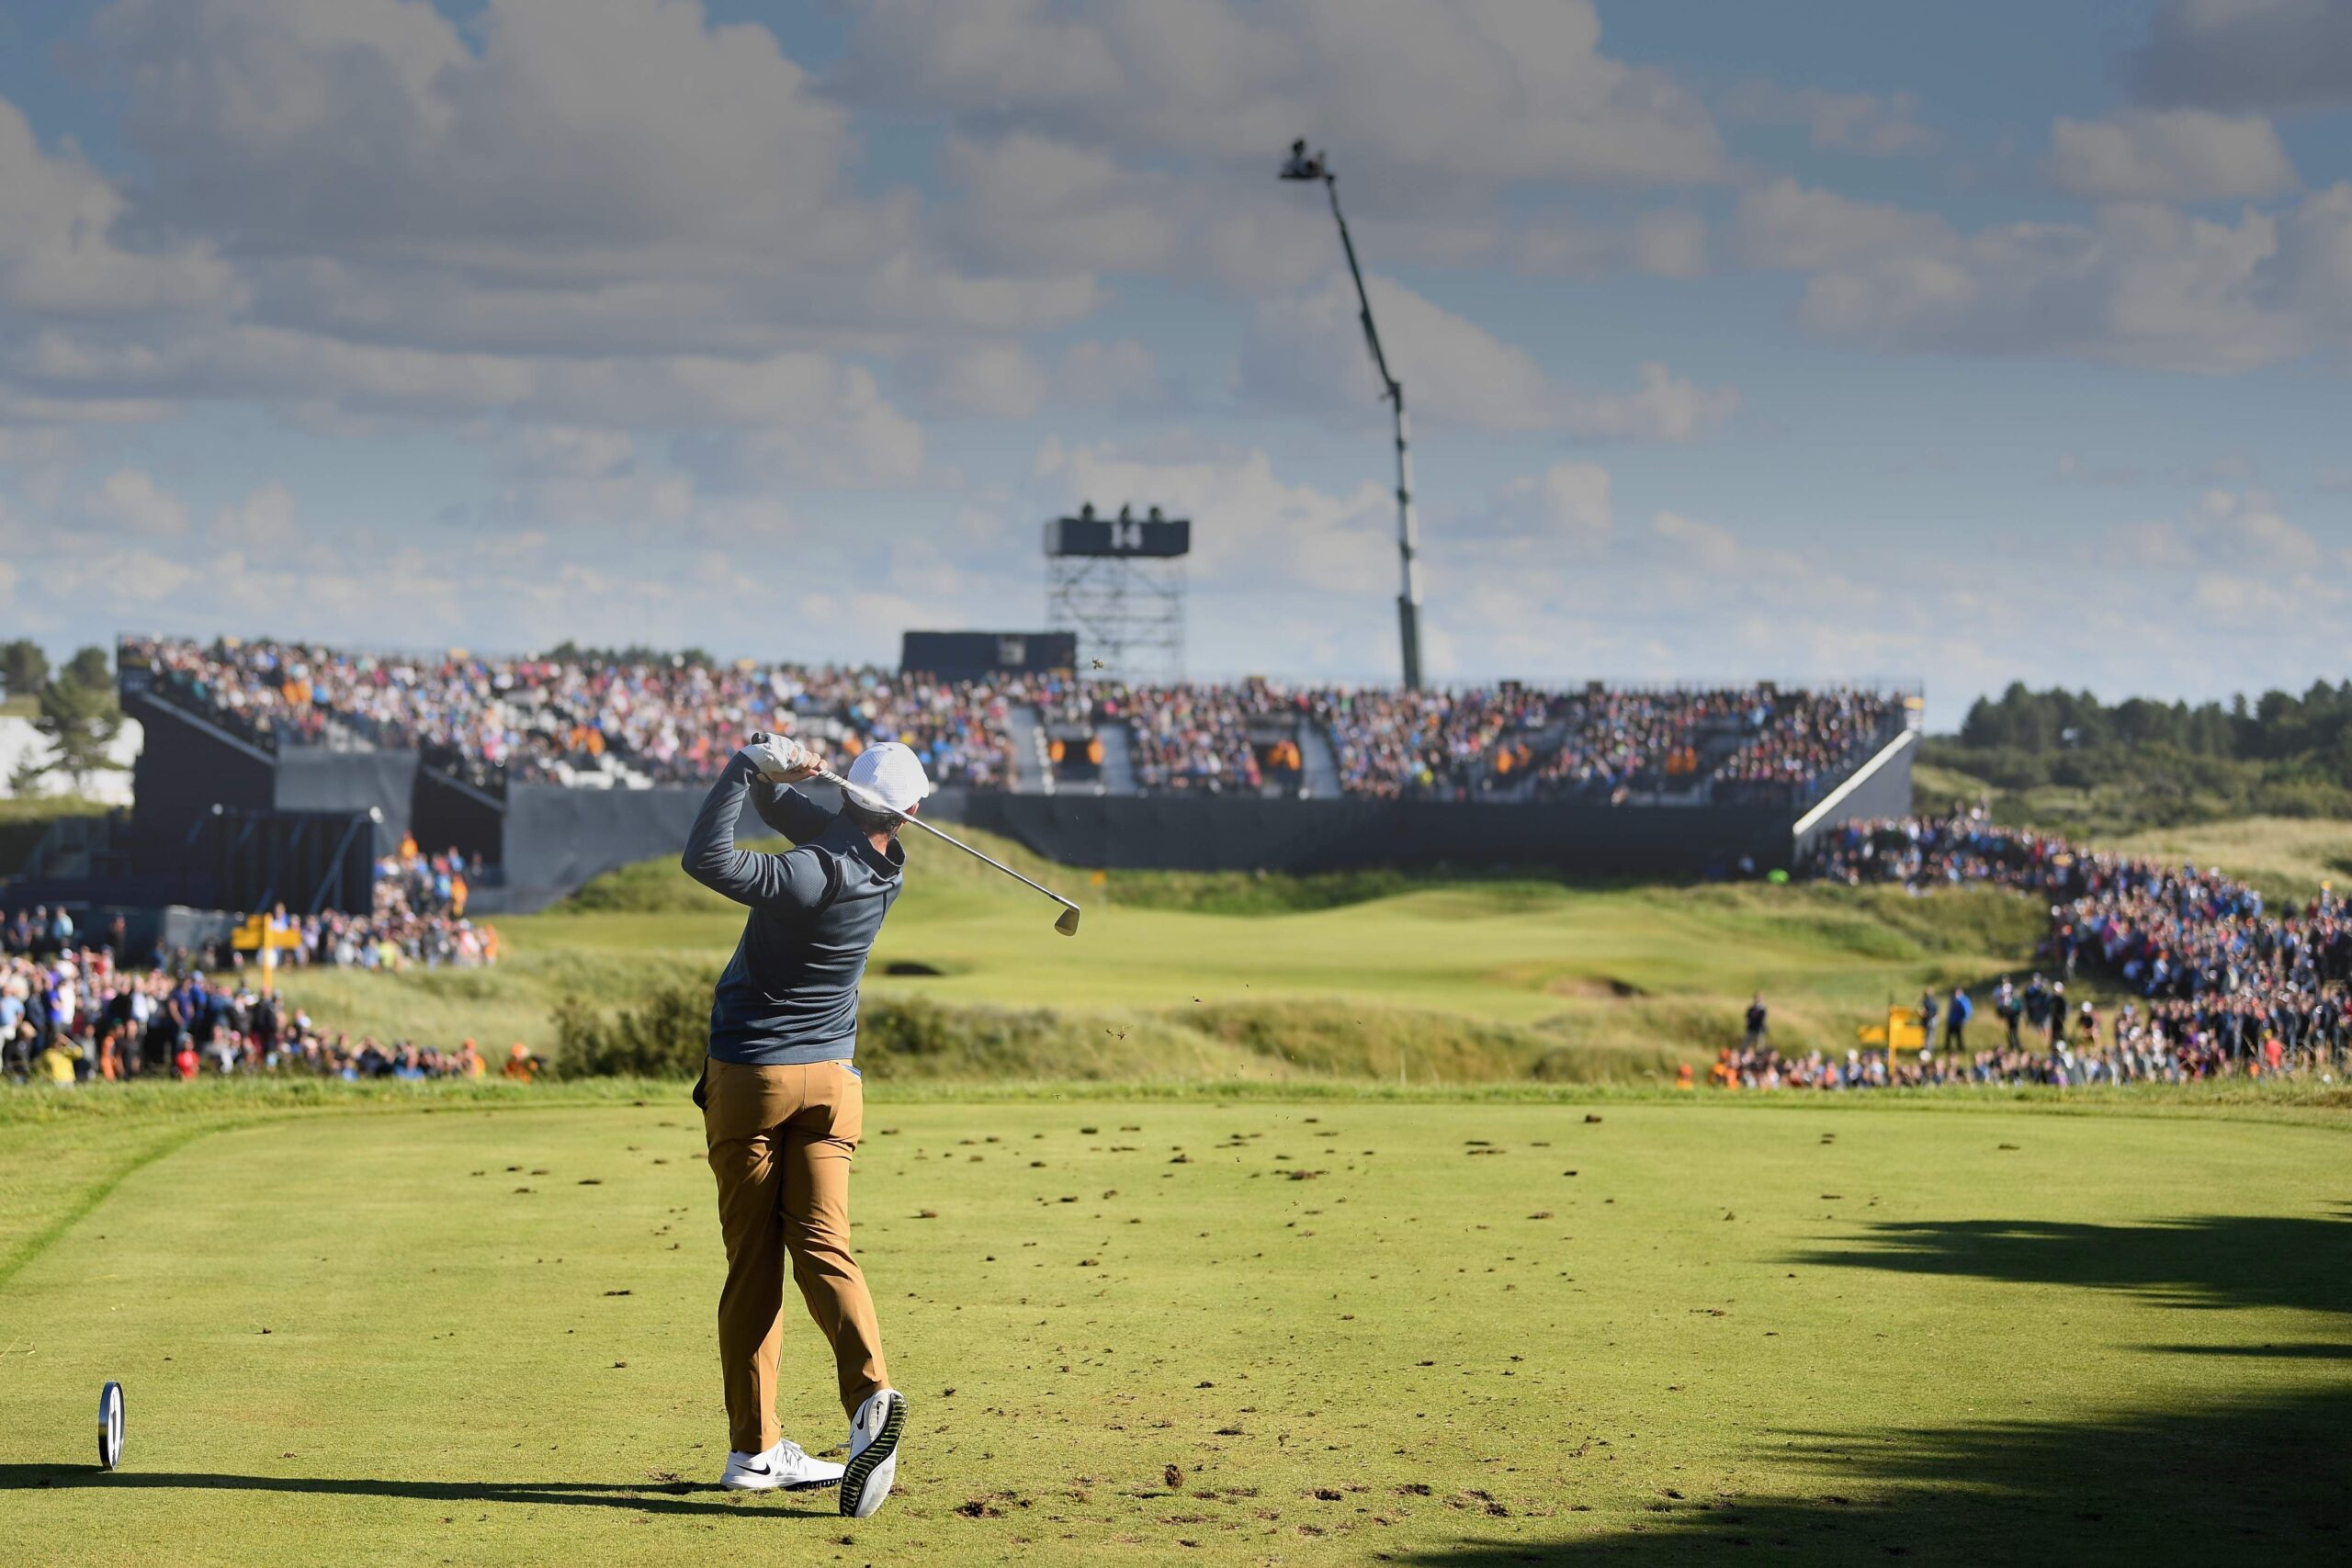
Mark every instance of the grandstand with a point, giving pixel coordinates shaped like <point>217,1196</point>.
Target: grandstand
<point>605,723</point>
<point>544,770</point>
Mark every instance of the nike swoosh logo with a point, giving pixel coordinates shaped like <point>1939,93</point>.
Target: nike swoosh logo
<point>756,1470</point>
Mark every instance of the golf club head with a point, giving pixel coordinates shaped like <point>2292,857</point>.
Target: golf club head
<point>1067,924</point>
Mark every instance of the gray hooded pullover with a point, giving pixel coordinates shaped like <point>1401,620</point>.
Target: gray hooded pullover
<point>789,995</point>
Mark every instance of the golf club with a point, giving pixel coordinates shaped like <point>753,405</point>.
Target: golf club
<point>1067,923</point>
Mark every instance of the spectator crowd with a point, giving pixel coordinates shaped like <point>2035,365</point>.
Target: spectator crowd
<point>637,718</point>
<point>72,1005</point>
<point>71,1012</point>
<point>551,719</point>
<point>2215,982</point>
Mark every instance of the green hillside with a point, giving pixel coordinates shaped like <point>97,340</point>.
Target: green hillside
<point>1235,976</point>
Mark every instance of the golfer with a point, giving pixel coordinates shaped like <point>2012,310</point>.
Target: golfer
<point>782,1103</point>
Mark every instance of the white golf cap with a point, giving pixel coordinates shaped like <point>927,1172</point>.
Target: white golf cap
<point>891,774</point>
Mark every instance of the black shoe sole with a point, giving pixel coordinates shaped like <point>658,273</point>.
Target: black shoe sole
<point>853,1474</point>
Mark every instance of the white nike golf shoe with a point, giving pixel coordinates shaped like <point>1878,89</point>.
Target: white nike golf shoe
<point>874,1434</point>
<point>783,1468</point>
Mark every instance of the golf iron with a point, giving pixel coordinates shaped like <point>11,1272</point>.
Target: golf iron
<point>1067,923</point>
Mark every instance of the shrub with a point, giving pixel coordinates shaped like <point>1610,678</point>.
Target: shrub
<point>665,1035</point>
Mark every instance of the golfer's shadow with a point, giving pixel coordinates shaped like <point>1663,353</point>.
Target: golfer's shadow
<point>652,1498</point>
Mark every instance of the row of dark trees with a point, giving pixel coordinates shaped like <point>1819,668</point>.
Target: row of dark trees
<point>2140,763</point>
<point>78,715</point>
<point>2276,726</point>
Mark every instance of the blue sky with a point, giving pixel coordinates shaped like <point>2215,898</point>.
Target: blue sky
<point>1964,343</point>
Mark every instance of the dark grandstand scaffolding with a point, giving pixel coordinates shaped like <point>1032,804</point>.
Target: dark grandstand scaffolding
<point>1119,583</point>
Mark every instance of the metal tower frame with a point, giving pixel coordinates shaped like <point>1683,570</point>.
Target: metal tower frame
<point>1129,613</point>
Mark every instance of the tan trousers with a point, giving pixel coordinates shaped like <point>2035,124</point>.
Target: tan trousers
<point>780,1144</point>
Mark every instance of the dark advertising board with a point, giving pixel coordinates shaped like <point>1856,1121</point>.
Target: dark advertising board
<point>971,655</point>
<point>1147,539</point>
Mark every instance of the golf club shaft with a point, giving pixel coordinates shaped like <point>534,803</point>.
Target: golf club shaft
<point>845,786</point>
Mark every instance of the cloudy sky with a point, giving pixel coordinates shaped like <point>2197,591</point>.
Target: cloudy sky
<point>1965,343</point>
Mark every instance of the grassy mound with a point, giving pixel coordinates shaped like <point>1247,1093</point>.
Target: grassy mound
<point>662,1034</point>
<point>1375,979</point>
<point>657,887</point>
<point>2287,857</point>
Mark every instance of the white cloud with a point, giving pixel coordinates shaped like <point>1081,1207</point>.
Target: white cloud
<point>979,380</point>
<point>1664,407</point>
<point>1309,352</point>
<point>1251,527</point>
<point>1034,204</point>
<point>1711,549</point>
<point>1801,228</point>
<point>426,221</point>
<point>2138,286</point>
<point>851,437</point>
<point>1876,125</point>
<point>370,128</point>
<point>2243,529</point>
<point>2169,155</point>
<point>2074,469</point>
<point>60,244</point>
<point>551,451</point>
<point>810,412</point>
<point>2311,275</point>
<point>1670,243</point>
<point>1122,373</point>
<point>1568,501</point>
<point>1661,242</point>
<point>267,520</point>
<point>129,501</point>
<point>2157,543</point>
<point>1416,92</point>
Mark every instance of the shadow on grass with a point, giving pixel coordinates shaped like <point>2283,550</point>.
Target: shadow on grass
<point>2304,1263</point>
<point>2266,1481</point>
<point>2296,1350</point>
<point>2259,1478</point>
<point>652,1497</point>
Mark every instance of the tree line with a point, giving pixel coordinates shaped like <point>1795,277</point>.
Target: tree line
<point>2275,727</point>
<point>2151,763</point>
<point>77,712</point>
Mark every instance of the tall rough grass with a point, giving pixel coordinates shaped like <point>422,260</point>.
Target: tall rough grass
<point>664,1032</point>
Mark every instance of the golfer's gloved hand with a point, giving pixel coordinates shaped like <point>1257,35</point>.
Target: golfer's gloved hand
<point>779,759</point>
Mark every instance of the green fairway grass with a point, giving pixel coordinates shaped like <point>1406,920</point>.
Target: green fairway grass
<point>1423,978</point>
<point>475,1327</point>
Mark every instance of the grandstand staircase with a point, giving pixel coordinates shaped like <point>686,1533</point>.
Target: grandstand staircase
<point>1319,771</point>
<point>609,771</point>
<point>1032,769</point>
<point>1118,760</point>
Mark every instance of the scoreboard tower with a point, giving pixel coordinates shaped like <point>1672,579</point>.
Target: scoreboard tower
<point>1118,583</point>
